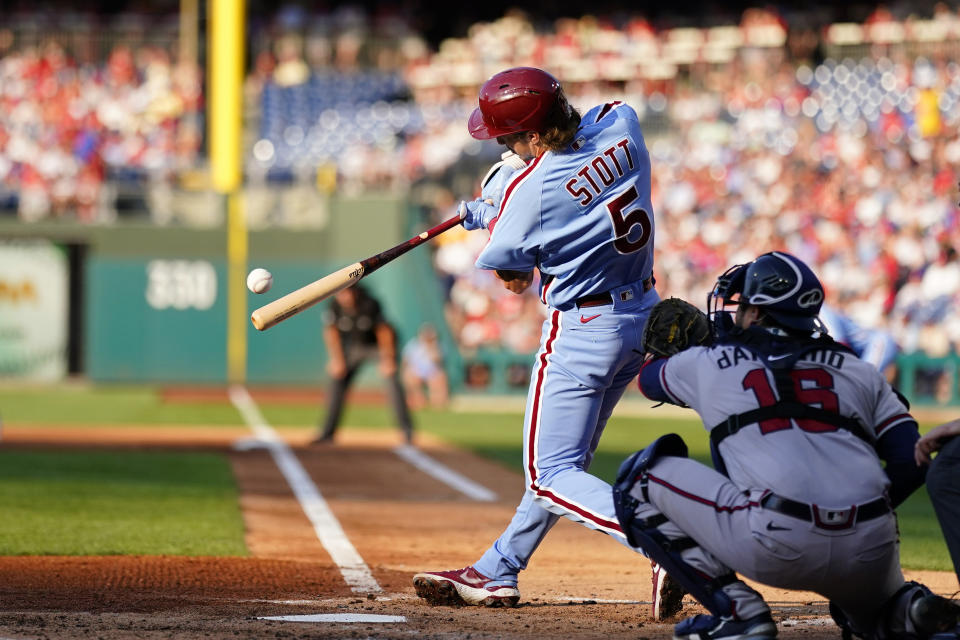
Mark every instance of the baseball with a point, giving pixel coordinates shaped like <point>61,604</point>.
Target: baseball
<point>259,280</point>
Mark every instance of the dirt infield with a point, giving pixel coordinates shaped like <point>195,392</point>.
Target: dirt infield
<point>580,584</point>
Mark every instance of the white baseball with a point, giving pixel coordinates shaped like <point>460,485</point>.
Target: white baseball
<point>259,280</point>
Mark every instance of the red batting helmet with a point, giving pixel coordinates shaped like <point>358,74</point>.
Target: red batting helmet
<point>515,100</point>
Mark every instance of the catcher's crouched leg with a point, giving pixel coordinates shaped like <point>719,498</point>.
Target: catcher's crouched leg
<point>630,498</point>
<point>650,530</point>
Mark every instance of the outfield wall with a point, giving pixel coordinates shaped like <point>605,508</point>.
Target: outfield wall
<point>142,303</point>
<point>153,304</point>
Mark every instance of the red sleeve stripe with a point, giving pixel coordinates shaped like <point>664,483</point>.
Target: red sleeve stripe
<point>889,422</point>
<point>666,387</point>
<point>517,181</point>
<point>543,291</point>
<point>607,108</point>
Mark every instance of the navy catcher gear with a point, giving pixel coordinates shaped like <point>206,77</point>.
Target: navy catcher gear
<point>781,284</point>
<point>629,490</point>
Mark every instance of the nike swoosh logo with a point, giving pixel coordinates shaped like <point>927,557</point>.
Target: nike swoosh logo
<point>586,320</point>
<point>779,357</point>
<point>773,527</point>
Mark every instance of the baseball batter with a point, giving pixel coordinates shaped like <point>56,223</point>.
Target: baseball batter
<point>579,212</point>
<point>873,345</point>
<point>799,426</point>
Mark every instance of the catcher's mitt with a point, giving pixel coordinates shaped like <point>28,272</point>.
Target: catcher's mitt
<point>672,326</point>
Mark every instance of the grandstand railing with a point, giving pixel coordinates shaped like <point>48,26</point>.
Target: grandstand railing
<point>929,380</point>
<point>924,379</point>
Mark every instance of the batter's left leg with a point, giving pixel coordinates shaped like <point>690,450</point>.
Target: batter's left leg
<point>511,552</point>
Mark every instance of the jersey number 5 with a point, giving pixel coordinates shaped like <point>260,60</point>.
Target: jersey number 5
<point>625,219</point>
<point>810,386</point>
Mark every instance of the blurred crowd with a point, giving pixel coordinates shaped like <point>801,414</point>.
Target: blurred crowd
<point>837,142</point>
<point>848,162</point>
<point>75,130</point>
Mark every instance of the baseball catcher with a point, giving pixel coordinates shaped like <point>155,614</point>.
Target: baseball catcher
<point>813,450</point>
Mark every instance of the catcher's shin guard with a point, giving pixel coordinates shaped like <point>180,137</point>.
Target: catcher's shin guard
<point>634,468</point>
<point>643,532</point>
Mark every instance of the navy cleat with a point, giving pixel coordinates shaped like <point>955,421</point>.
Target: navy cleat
<point>705,627</point>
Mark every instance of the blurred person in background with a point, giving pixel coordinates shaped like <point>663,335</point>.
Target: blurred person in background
<point>943,481</point>
<point>424,376</point>
<point>355,331</point>
<point>872,345</point>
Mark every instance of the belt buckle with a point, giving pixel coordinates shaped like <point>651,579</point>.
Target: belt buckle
<point>832,518</point>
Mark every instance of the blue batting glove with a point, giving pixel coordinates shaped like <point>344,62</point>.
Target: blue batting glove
<point>476,214</point>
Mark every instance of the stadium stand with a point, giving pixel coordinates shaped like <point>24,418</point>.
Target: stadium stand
<point>828,134</point>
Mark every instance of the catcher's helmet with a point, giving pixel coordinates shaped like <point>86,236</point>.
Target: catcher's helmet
<point>781,284</point>
<point>516,100</point>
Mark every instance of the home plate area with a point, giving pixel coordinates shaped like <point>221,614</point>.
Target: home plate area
<point>399,520</point>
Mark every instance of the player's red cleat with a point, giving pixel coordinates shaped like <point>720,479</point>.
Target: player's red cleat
<point>667,594</point>
<point>463,587</point>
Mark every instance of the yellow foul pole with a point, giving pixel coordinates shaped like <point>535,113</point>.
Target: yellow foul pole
<point>225,117</point>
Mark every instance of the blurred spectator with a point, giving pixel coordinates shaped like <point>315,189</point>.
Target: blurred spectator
<point>68,127</point>
<point>872,345</point>
<point>424,375</point>
<point>291,69</point>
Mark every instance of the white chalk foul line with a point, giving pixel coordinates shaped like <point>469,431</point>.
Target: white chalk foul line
<point>807,622</point>
<point>444,474</point>
<point>331,535</point>
<point>336,617</point>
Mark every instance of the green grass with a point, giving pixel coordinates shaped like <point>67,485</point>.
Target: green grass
<point>122,499</point>
<point>107,405</point>
<point>132,502</point>
<point>497,436</point>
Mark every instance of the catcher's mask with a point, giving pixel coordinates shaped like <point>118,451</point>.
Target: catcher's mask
<point>782,285</point>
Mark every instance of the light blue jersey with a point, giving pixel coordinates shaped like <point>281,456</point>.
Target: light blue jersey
<point>876,346</point>
<point>582,217</point>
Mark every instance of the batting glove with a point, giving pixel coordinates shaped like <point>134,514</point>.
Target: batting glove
<point>476,214</point>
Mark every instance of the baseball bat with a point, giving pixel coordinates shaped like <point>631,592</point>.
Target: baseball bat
<point>309,295</point>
